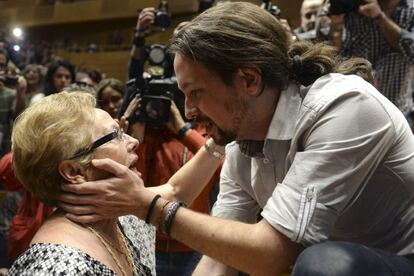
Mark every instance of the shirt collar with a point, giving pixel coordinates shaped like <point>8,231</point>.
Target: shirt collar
<point>284,119</point>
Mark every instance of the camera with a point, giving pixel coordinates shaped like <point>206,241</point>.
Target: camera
<point>157,54</point>
<point>344,6</point>
<point>273,9</point>
<point>10,80</point>
<point>162,16</point>
<point>204,5</point>
<point>156,97</point>
<point>160,62</point>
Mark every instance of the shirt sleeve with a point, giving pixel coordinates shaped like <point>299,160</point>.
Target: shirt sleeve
<point>336,156</point>
<point>136,66</point>
<point>234,202</point>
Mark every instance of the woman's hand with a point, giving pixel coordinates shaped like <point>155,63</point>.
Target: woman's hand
<point>133,106</point>
<point>175,121</point>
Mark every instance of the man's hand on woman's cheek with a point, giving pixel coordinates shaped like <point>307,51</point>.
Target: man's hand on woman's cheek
<point>106,198</point>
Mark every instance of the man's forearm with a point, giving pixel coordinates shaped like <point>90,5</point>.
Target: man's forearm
<point>210,266</point>
<point>390,30</point>
<point>188,182</point>
<point>257,249</point>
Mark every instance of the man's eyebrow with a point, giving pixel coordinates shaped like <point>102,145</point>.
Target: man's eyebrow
<point>186,84</point>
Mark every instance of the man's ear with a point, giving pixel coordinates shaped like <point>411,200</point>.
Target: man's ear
<point>71,171</point>
<point>251,79</point>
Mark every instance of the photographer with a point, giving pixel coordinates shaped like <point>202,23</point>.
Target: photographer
<point>381,31</point>
<point>12,101</point>
<point>310,21</point>
<point>139,51</point>
<point>165,148</point>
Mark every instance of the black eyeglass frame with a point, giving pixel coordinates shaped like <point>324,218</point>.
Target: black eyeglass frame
<point>118,133</point>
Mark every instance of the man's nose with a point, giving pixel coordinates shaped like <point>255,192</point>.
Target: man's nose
<point>191,110</point>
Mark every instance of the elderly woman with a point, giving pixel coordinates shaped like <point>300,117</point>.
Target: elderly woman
<point>54,141</point>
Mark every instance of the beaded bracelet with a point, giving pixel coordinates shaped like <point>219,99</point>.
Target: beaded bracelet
<point>169,218</point>
<point>160,224</point>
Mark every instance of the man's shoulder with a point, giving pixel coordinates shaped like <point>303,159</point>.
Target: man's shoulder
<point>334,85</point>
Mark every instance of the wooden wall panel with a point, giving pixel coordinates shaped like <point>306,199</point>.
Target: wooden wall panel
<point>113,64</point>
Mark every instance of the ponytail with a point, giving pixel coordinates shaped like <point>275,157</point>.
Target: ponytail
<point>309,61</point>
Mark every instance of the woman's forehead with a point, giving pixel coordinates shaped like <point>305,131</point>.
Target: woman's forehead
<point>104,121</point>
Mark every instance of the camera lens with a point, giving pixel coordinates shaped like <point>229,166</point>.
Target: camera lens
<point>156,55</point>
<point>162,19</point>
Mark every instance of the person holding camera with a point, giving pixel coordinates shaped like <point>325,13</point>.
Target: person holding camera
<point>12,101</point>
<point>312,25</point>
<point>167,143</point>
<point>381,31</point>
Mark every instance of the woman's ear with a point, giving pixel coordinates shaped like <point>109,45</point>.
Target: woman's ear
<point>71,171</point>
<point>252,80</point>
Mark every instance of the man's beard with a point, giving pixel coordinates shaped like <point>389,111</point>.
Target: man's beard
<point>220,136</point>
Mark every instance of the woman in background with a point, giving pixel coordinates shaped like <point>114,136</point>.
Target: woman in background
<point>110,94</point>
<point>60,73</point>
<point>34,79</point>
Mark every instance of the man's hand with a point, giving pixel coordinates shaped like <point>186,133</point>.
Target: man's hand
<point>21,86</point>
<point>370,8</point>
<point>132,106</point>
<point>145,21</point>
<point>175,121</point>
<point>107,198</point>
<point>123,123</point>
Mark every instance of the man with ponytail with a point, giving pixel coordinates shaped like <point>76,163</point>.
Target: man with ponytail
<point>324,158</point>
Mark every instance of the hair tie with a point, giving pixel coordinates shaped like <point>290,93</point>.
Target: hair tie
<point>297,61</point>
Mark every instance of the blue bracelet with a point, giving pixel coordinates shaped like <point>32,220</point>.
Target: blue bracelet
<point>181,133</point>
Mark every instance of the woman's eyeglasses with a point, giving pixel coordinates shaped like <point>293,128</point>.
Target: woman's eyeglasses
<point>116,134</point>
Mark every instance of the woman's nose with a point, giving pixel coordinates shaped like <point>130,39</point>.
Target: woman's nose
<point>132,143</point>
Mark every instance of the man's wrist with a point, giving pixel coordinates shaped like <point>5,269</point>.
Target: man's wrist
<point>378,17</point>
<point>211,148</point>
<point>139,41</point>
<point>182,132</point>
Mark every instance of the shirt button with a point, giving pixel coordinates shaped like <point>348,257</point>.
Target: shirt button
<point>266,161</point>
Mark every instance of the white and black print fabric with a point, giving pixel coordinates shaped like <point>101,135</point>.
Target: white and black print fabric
<point>393,68</point>
<point>57,259</point>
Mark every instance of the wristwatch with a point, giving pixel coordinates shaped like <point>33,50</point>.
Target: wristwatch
<point>213,152</point>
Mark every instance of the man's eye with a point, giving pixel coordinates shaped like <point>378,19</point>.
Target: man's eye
<point>195,92</point>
